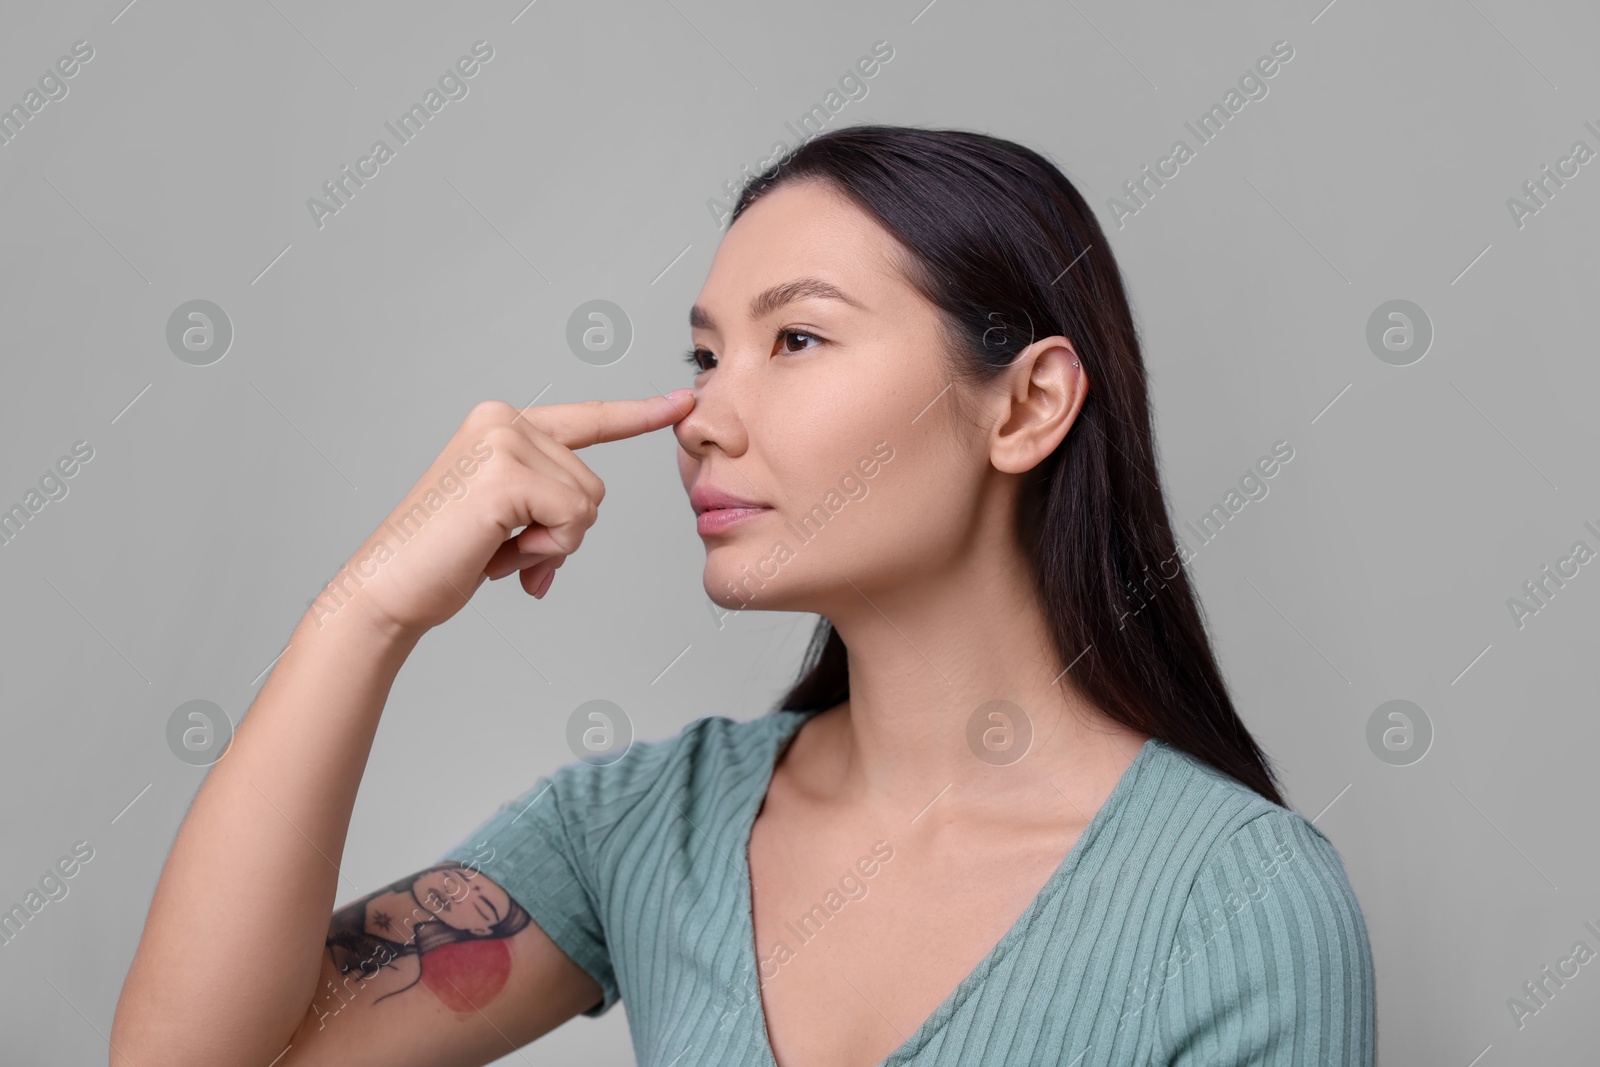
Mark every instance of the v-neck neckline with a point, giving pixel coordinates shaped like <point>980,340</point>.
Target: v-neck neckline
<point>750,954</point>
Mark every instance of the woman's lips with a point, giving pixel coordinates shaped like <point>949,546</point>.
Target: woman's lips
<point>717,520</point>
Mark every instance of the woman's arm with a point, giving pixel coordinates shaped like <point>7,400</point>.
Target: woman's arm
<point>235,947</point>
<point>232,947</point>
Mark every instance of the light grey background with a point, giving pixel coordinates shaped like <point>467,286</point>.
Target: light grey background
<point>578,167</point>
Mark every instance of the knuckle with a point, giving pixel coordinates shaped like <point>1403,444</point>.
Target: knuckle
<point>579,507</point>
<point>492,411</point>
<point>501,437</point>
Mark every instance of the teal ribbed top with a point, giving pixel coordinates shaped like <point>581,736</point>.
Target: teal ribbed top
<point>1193,923</point>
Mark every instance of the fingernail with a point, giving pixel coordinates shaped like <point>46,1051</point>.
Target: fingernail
<point>679,393</point>
<point>544,586</point>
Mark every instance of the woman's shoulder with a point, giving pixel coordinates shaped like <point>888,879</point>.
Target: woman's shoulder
<point>1270,914</point>
<point>1217,846</point>
<point>710,764</point>
<point>1228,818</point>
<point>1256,867</point>
<point>709,741</point>
<point>708,759</point>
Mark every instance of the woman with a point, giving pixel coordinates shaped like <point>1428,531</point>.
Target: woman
<point>1007,815</point>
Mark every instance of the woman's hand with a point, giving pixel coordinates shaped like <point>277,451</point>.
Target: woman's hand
<point>506,469</point>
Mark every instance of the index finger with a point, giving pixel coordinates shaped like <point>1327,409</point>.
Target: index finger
<point>590,422</point>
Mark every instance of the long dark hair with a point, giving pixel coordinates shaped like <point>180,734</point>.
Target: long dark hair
<point>1008,251</point>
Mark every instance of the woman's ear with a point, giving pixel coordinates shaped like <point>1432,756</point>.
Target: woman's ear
<point>1045,387</point>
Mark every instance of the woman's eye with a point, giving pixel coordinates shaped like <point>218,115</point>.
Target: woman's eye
<point>702,359</point>
<point>799,333</point>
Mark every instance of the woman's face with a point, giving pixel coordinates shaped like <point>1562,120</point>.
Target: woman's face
<point>457,897</point>
<point>831,411</point>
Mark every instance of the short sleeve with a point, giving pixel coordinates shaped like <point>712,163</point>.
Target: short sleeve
<point>534,847</point>
<point>1271,966</point>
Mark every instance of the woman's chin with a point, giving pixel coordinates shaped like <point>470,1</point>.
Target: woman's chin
<point>737,588</point>
<point>725,593</point>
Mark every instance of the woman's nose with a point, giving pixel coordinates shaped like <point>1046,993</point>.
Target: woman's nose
<point>714,421</point>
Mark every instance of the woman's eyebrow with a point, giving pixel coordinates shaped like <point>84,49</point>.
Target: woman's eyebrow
<point>770,300</point>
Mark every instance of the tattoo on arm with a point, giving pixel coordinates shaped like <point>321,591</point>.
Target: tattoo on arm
<point>444,926</point>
